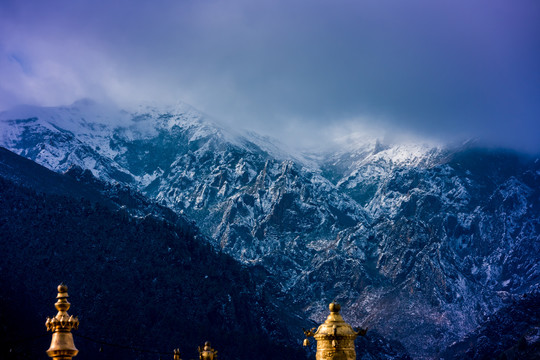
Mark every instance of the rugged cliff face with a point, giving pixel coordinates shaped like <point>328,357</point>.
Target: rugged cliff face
<point>456,235</point>
<point>142,276</point>
<point>418,242</point>
<point>512,332</point>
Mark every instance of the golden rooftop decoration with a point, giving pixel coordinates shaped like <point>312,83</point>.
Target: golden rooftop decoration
<point>176,354</point>
<point>335,338</point>
<point>207,353</point>
<point>62,345</point>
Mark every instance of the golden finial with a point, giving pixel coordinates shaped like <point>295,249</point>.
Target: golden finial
<point>334,307</point>
<point>176,353</point>
<point>62,345</point>
<point>207,353</point>
<point>335,338</point>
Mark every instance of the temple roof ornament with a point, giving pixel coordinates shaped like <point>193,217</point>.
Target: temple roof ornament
<point>207,353</point>
<point>335,338</point>
<point>62,345</point>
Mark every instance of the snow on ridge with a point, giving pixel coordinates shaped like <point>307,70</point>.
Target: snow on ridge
<point>186,116</point>
<point>94,123</point>
<point>198,124</point>
<point>361,149</point>
<point>409,155</point>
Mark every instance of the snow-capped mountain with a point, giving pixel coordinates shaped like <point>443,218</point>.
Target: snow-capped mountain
<point>419,242</point>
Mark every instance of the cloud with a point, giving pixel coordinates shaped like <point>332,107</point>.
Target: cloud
<point>289,68</point>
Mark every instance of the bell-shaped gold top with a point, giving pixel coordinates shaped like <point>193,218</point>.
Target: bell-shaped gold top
<point>335,338</point>
<point>62,345</point>
<point>207,353</point>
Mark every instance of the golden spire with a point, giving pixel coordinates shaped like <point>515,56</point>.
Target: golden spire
<point>62,345</point>
<point>176,353</point>
<point>335,338</point>
<point>207,353</point>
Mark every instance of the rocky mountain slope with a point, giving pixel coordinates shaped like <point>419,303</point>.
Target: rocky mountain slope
<point>73,227</point>
<point>512,332</point>
<point>458,234</point>
<point>419,242</point>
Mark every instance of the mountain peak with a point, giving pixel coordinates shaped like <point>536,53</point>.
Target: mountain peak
<point>409,223</point>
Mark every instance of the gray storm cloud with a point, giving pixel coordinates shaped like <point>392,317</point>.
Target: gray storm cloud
<point>289,68</point>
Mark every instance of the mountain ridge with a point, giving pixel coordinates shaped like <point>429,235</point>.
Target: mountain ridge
<point>381,229</point>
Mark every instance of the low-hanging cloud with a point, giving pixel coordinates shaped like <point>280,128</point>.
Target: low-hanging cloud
<point>443,69</point>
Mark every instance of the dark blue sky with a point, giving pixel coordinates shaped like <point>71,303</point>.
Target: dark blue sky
<point>300,70</point>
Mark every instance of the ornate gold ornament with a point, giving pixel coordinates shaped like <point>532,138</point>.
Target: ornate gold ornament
<point>335,338</point>
<point>207,353</point>
<point>62,345</point>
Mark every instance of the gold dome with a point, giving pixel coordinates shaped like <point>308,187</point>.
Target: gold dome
<point>335,338</point>
<point>335,326</point>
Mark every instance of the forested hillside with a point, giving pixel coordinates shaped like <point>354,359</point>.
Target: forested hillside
<point>142,282</point>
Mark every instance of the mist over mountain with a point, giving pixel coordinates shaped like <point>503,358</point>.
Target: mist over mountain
<point>419,242</point>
